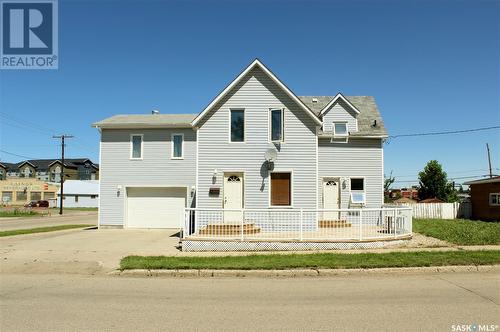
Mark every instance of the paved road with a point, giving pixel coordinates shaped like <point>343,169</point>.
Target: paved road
<point>430,302</point>
<point>69,217</point>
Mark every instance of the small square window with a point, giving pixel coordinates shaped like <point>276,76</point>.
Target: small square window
<point>495,199</point>
<point>358,184</point>
<point>340,129</point>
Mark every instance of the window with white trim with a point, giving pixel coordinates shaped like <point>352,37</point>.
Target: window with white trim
<point>237,125</point>
<point>358,195</point>
<point>495,199</point>
<point>136,146</point>
<point>277,125</point>
<point>340,129</point>
<point>177,146</point>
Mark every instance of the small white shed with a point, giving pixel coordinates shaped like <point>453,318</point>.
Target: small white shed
<point>80,193</point>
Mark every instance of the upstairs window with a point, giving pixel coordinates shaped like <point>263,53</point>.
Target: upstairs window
<point>136,146</point>
<point>277,116</point>
<point>237,125</point>
<point>340,129</point>
<point>177,146</point>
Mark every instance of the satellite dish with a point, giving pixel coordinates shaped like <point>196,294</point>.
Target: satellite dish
<point>271,155</point>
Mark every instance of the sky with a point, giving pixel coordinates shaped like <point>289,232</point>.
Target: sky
<point>431,65</point>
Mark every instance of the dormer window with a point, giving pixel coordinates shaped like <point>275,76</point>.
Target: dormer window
<point>340,129</point>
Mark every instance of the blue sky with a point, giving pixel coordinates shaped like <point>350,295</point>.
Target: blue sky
<point>431,65</point>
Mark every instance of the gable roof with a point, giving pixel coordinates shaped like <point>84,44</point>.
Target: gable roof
<point>254,64</point>
<point>146,121</point>
<point>339,96</point>
<point>481,181</point>
<point>44,164</point>
<point>368,113</point>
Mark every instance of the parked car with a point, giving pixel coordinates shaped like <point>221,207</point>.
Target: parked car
<point>37,204</point>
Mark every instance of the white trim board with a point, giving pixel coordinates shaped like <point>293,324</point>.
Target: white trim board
<point>334,100</point>
<point>255,63</point>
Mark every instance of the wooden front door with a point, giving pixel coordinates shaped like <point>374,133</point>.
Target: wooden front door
<point>281,189</point>
<point>233,196</point>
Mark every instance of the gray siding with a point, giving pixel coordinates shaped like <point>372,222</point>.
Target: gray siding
<point>256,93</point>
<point>340,112</point>
<point>155,169</point>
<point>358,158</point>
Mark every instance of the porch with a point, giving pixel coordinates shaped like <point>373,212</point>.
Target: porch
<point>360,225</point>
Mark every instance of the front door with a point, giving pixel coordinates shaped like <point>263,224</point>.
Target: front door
<point>233,197</point>
<point>331,198</point>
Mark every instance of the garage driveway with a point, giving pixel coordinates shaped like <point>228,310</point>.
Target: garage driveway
<point>88,251</point>
<point>69,217</point>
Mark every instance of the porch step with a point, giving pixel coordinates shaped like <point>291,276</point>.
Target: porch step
<point>334,224</point>
<point>229,229</point>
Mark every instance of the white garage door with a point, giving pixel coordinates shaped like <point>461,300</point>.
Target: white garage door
<point>155,207</point>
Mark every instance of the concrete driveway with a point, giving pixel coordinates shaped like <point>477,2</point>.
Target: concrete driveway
<point>69,217</point>
<point>80,251</point>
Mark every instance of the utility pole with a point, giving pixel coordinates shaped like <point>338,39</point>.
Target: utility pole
<point>62,137</point>
<point>489,159</point>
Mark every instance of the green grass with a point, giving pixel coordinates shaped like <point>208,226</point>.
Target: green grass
<point>18,213</point>
<point>318,260</point>
<point>41,230</point>
<point>459,231</point>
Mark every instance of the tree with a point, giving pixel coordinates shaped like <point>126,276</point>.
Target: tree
<point>388,181</point>
<point>434,183</point>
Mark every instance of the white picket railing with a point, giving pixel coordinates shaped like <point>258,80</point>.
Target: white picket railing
<point>298,224</point>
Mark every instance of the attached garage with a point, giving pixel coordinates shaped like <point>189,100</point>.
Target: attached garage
<point>159,207</point>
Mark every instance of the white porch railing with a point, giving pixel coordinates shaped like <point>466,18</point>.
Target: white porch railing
<point>362,224</point>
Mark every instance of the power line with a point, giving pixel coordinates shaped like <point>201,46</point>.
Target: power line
<point>17,155</point>
<point>26,123</point>
<point>444,132</point>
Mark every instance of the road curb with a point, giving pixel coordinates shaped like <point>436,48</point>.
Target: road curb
<point>294,273</point>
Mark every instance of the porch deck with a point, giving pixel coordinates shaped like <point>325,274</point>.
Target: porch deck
<point>299,225</point>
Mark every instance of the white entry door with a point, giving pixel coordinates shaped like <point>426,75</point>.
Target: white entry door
<point>331,198</point>
<point>233,196</point>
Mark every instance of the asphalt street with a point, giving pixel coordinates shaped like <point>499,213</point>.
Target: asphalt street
<point>424,302</point>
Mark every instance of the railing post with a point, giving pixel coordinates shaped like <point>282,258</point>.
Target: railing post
<point>395,222</point>
<point>301,224</point>
<point>360,225</point>
<point>242,230</point>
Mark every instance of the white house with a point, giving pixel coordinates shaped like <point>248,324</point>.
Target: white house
<point>80,193</point>
<point>255,147</point>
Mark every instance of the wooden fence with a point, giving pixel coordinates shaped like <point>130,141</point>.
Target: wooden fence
<point>441,210</point>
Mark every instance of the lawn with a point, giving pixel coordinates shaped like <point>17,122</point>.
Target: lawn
<point>17,213</point>
<point>317,260</point>
<point>459,231</point>
<point>41,230</point>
